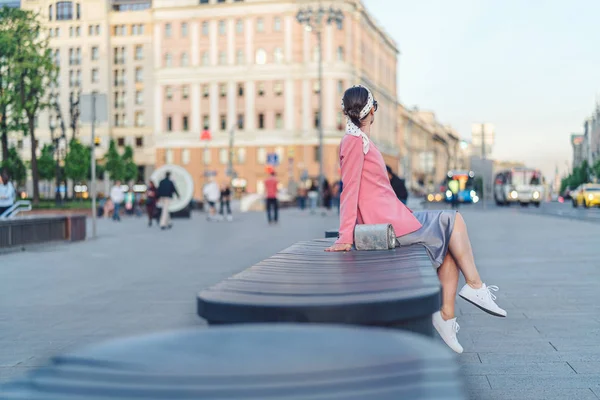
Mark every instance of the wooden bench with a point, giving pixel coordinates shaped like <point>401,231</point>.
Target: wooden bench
<point>285,362</point>
<point>303,283</point>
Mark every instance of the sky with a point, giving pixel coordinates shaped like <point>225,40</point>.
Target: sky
<point>529,67</point>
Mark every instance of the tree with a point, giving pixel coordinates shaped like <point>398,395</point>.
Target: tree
<point>114,162</point>
<point>77,161</point>
<point>15,166</point>
<point>46,163</point>
<point>596,169</point>
<point>35,72</point>
<point>130,167</point>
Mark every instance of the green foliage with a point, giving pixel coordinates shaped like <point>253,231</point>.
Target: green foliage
<point>46,163</point>
<point>114,162</point>
<point>15,166</point>
<point>131,168</point>
<point>77,162</point>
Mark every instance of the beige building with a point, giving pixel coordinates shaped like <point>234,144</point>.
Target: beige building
<point>102,46</point>
<point>250,70</point>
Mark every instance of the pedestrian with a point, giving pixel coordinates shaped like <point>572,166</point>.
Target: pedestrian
<point>293,190</point>
<point>7,193</point>
<point>117,196</point>
<point>336,191</point>
<point>165,192</point>
<point>212,193</point>
<point>302,196</point>
<point>369,199</point>
<point>151,198</point>
<point>313,197</point>
<point>326,194</point>
<point>129,202</point>
<point>398,185</point>
<point>272,204</point>
<point>225,202</point>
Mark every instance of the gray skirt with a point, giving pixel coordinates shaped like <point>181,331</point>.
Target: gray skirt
<point>434,233</point>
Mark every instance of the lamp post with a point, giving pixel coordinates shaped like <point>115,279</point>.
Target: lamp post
<point>57,196</point>
<point>314,21</point>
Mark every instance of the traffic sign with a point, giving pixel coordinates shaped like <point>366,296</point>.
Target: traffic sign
<point>273,159</point>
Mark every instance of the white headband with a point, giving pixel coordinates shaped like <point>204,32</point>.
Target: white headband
<point>367,108</point>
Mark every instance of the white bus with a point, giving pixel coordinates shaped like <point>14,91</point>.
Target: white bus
<point>519,185</point>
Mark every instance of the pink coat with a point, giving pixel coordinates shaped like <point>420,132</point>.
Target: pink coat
<point>367,195</point>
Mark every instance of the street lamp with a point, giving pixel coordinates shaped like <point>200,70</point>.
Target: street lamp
<point>57,196</point>
<point>314,21</point>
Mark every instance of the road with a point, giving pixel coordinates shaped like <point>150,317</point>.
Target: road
<point>134,279</point>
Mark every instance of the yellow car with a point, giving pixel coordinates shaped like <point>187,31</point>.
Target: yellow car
<point>587,196</point>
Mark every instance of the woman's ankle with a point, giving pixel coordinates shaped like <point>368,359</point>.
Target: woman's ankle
<point>475,284</point>
<point>446,314</point>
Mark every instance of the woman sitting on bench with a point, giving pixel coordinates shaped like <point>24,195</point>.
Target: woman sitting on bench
<point>368,198</point>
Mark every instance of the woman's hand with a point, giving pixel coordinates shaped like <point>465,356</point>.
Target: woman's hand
<point>339,247</point>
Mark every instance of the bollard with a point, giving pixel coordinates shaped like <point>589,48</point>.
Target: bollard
<point>374,237</point>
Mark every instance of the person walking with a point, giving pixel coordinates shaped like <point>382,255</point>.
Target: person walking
<point>7,193</point>
<point>117,196</point>
<point>151,197</point>
<point>336,191</point>
<point>398,185</point>
<point>165,192</point>
<point>313,197</point>
<point>272,204</point>
<point>368,198</point>
<point>225,202</point>
<point>212,194</point>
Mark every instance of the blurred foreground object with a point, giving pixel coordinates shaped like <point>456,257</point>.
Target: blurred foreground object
<point>279,361</point>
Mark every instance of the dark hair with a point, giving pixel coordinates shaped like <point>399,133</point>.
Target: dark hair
<point>168,175</point>
<point>355,99</point>
<point>389,169</point>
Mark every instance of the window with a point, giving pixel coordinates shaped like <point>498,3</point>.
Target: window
<point>169,93</point>
<point>139,97</point>
<point>339,122</point>
<point>205,90</point>
<point>205,59</point>
<point>57,34</point>
<point>139,74</point>
<point>184,29</point>
<point>121,142</point>
<point>185,156</point>
<point>51,32</point>
<point>139,118</point>
<point>185,61</point>
<point>316,87</point>
<point>241,155</point>
<point>64,10</point>
<point>204,1</point>
<point>261,121</point>
<point>261,155</point>
<point>95,53</point>
<point>240,121</point>
<point>169,124</point>
<point>239,26</point>
<point>260,25</point>
<point>222,28</point>
<point>50,12</point>
<point>223,90</point>
<point>71,31</point>
<point>169,156</point>
<point>240,89</point>
<point>223,122</point>
<point>261,56</point>
<point>95,75</point>
<point>185,92</point>
<point>206,156</point>
<point>137,30</point>
<point>91,30</point>
<point>317,119</point>
<point>139,141</point>
<point>185,123</point>
<point>117,120</point>
<point>316,153</point>
<point>239,58</point>
<point>168,30</point>
<point>223,156</point>
<point>261,89</point>
<point>277,24</point>
<point>222,58</point>
<point>340,53</point>
<point>139,52</point>
<point>205,122</point>
<point>340,87</point>
<point>278,55</point>
<point>57,57</point>
<point>78,11</point>
<point>168,60</point>
<point>278,88</point>
<point>205,28</point>
<point>278,121</point>
<point>97,29</point>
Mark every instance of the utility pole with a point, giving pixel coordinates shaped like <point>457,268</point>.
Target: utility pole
<point>93,166</point>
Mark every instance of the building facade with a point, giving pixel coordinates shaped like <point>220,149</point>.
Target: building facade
<point>579,149</point>
<point>247,72</point>
<point>103,47</point>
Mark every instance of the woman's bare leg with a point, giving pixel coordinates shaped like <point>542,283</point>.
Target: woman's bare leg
<point>460,249</point>
<point>448,275</point>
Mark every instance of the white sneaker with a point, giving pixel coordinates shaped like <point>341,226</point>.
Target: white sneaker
<point>447,331</point>
<point>483,298</point>
<point>229,218</point>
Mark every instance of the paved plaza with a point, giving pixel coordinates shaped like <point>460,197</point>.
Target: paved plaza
<point>134,279</point>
